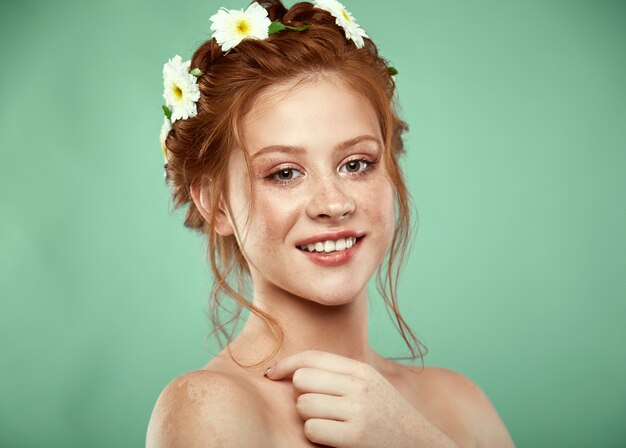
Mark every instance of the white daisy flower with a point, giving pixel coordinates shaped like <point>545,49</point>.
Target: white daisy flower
<point>231,26</point>
<point>344,19</point>
<point>180,89</point>
<point>166,127</point>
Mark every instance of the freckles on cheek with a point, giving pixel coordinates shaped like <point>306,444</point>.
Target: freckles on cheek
<point>273,217</point>
<point>380,206</point>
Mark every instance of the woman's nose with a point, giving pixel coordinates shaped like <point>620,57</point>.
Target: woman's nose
<point>329,202</point>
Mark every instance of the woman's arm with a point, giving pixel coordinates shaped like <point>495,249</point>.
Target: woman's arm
<point>204,409</point>
<point>462,400</point>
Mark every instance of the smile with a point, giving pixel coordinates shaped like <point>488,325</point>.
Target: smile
<point>339,251</point>
<point>338,245</point>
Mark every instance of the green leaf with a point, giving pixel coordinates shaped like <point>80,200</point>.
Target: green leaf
<point>392,70</point>
<point>168,112</point>
<point>197,72</point>
<point>306,26</point>
<point>277,26</point>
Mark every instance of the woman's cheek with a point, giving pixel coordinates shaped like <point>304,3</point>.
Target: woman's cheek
<point>274,217</point>
<point>379,205</point>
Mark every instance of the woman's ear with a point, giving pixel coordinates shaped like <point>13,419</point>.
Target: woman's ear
<point>201,199</point>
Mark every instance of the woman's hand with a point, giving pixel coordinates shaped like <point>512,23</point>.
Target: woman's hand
<point>347,403</point>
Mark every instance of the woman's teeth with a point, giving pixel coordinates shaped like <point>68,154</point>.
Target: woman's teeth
<point>330,246</point>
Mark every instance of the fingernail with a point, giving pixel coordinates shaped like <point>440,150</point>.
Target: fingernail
<point>268,371</point>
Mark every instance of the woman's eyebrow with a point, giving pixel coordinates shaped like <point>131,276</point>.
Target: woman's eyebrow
<point>300,149</point>
<point>278,148</point>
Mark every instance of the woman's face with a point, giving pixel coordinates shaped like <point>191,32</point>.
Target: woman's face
<point>317,168</point>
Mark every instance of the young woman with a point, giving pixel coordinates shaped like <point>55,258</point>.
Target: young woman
<point>281,136</point>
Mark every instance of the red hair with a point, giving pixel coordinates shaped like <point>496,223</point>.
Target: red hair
<point>199,147</point>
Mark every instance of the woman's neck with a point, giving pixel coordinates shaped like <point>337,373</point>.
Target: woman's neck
<point>307,325</point>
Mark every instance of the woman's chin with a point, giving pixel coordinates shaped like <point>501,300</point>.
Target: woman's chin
<point>337,299</point>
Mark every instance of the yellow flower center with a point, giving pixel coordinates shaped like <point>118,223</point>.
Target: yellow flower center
<point>243,27</point>
<point>178,92</point>
<point>345,15</point>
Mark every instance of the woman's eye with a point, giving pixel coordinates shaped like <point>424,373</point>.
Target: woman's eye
<point>285,175</point>
<point>356,166</point>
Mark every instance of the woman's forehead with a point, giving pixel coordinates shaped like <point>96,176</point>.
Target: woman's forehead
<point>323,112</point>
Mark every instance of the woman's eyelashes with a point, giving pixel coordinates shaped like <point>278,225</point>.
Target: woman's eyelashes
<point>354,167</point>
<point>283,175</point>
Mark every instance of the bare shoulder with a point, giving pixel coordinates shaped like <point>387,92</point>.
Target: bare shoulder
<point>462,407</point>
<point>205,408</point>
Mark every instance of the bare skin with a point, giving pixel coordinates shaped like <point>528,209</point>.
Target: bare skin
<point>226,405</point>
<point>326,387</point>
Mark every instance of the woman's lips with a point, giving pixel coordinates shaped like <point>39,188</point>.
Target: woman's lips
<point>334,258</point>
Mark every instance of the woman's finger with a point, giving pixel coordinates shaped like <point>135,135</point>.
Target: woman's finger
<point>323,406</point>
<point>327,432</point>
<point>316,359</point>
<point>308,379</point>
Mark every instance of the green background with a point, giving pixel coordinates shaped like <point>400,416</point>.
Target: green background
<point>516,162</point>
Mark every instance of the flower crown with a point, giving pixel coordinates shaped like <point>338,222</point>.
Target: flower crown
<point>230,27</point>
